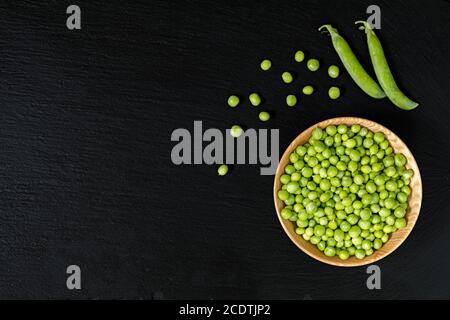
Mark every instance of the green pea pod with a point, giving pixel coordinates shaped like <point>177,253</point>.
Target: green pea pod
<point>352,65</point>
<point>382,71</point>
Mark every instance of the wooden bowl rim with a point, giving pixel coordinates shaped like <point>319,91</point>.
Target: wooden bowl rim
<point>411,215</point>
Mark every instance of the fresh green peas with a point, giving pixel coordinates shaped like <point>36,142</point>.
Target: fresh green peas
<point>292,187</point>
<point>334,93</point>
<point>391,185</point>
<point>343,254</point>
<point>266,64</point>
<point>236,131</point>
<point>317,133</point>
<point>400,223</point>
<point>290,169</point>
<point>285,178</point>
<point>378,137</point>
<point>360,254</point>
<point>313,64</point>
<point>255,99</point>
<point>352,65</point>
<point>383,72</point>
<point>308,90</point>
<point>264,116</point>
<point>400,160</point>
<point>287,77</point>
<point>291,100</point>
<point>233,101</point>
<point>299,56</point>
<point>222,170</point>
<point>399,212</point>
<point>340,192</point>
<point>333,71</point>
<point>331,130</point>
<point>330,251</point>
<point>377,244</point>
<point>354,231</point>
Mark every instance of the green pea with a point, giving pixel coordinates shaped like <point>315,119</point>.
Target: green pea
<point>308,90</point>
<point>264,116</point>
<point>292,187</point>
<point>364,224</point>
<point>377,244</point>
<point>317,133</point>
<point>255,99</point>
<point>400,160</point>
<point>400,212</point>
<point>291,100</point>
<point>290,169</point>
<point>233,101</point>
<point>330,251</point>
<point>222,170</point>
<point>286,213</point>
<point>339,235</point>
<point>345,226</point>
<point>387,229</point>
<point>331,130</point>
<point>299,56</point>
<point>287,77</point>
<point>378,137</point>
<point>354,231</point>
<point>360,254</point>
<point>334,93</point>
<point>343,254</point>
<point>333,71</point>
<point>400,223</point>
<point>391,185</point>
<point>236,131</point>
<point>313,64</point>
<point>266,64</point>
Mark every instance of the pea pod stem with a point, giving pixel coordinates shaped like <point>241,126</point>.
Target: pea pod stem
<point>352,65</point>
<point>382,70</point>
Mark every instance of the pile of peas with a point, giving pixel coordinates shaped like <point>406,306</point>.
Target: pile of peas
<point>346,190</point>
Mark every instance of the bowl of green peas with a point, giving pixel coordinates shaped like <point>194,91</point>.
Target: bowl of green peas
<point>347,191</point>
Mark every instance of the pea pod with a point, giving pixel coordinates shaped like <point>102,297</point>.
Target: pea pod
<point>352,65</point>
<point>383,72</point>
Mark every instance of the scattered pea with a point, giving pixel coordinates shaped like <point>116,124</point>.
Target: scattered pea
<point>287,77</point>
<point>334,92</point>
<point>222,170</point>
<point>308,90</point>
<point>299,56</point>
<point>255,99</point>
<point>264,116</point>
<point>313,64</point>
<point>266,64</point>
<point>233,101</point>
<point>333,71</point>
<point>291,100</point>
<point>236,131</point>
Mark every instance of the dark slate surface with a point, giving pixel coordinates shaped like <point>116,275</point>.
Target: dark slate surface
<point>85,170</point>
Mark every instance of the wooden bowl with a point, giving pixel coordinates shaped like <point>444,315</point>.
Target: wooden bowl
<point>414,202</point>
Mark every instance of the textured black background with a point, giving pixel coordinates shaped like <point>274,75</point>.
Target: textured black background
<point>85,170</point>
